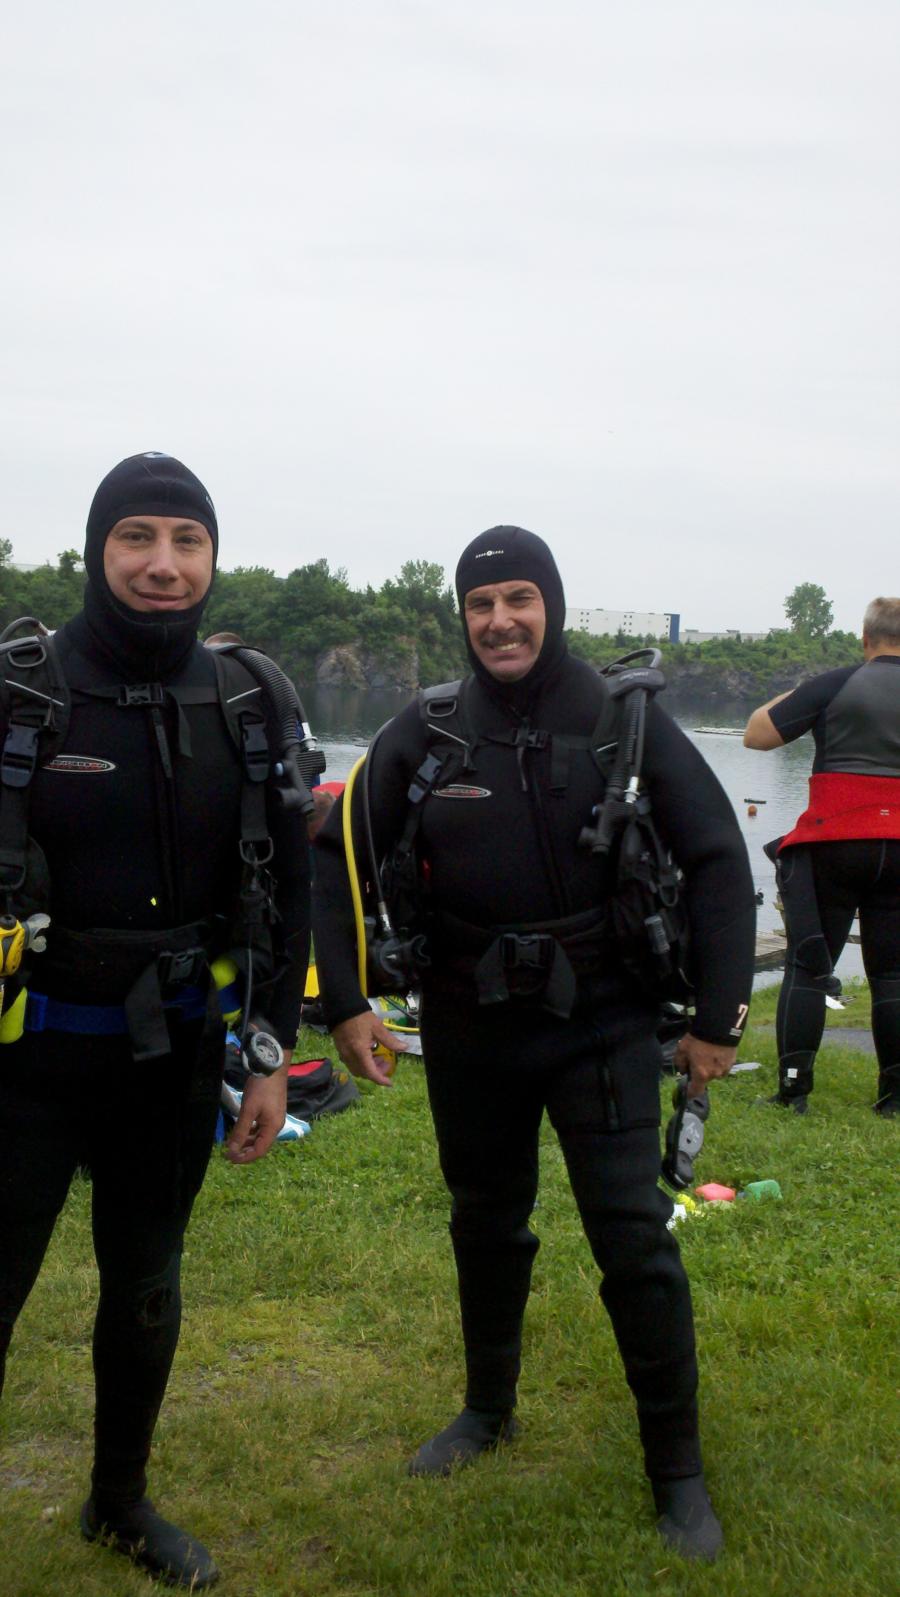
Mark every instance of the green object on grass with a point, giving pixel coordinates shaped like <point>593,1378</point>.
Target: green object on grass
<point>757,1190</point>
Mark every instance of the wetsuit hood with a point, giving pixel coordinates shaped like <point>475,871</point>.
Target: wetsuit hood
<point>505,554</point>
<point>144,646</point>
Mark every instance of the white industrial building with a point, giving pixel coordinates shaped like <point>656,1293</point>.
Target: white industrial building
<point>648,623</point>
<point>634,623</point>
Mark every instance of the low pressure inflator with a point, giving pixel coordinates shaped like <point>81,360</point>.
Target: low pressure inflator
<point>684,1135</point>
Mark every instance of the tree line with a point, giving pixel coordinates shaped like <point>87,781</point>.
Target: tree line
<point>408,632</point>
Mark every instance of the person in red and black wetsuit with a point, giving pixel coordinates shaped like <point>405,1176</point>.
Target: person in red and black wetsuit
<point>843,855</point>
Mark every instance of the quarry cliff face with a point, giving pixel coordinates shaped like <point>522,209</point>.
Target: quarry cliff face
<point>352,665</point>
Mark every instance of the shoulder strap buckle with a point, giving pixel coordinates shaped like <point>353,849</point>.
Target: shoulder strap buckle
<point>255,748</point>
<point>20,751</point>
<point>140,693</point>
<point>424,779</point>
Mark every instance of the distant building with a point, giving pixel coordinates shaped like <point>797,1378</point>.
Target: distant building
<point>634,623</point>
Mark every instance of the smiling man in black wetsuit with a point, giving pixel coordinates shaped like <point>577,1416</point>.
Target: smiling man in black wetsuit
<point>119,1067</point>
<point>843,855</point>
<point>503,1041</point>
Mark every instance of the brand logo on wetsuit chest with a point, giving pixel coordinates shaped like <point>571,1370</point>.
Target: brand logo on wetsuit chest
<point>462,790</point>
<point>78,764</point>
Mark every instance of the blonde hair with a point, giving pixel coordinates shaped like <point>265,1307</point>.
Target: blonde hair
<point>881,622</point>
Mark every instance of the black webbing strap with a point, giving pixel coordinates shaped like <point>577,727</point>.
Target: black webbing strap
<point>145,1013</point>
<point>18,763</point>
<point>539,957</point>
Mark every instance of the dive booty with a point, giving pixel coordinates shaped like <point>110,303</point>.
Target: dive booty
<point>887,1104</point>
<point>798,1105</point>
<point>165,1552</point>
<point>687,1520</point>
<point>473,1432</point>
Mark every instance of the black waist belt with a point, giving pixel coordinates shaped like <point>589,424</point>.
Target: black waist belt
<point>526,961</point>
<point>142,971</point>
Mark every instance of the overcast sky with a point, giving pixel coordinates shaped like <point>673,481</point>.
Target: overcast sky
<point>386,273</point>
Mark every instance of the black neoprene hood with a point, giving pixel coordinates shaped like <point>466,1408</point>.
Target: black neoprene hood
<point>149,484</point>
<point>508,554</point>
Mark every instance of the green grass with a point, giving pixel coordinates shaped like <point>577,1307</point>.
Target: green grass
<point>320,1347</point>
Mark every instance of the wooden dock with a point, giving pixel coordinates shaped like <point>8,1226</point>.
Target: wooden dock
<point>770,951</point>
<point>772,946</point>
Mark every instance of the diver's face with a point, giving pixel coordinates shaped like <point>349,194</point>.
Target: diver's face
<point>506,622</point>
<point>158,563</point>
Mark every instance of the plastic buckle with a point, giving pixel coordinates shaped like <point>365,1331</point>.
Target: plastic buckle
<point>131,693</point>
<point>20,752</point>
<point>424,779</point>
<point>526,950</point>
<point>256,749</point>
<point>177,969</point>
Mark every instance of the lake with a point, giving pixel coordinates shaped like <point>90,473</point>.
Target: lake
<point>344,719</point>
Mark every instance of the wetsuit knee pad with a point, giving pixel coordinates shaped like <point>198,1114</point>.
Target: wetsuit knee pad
<point>622,1243</point>
<point>152,1303</point>
<point>477,1228</point>
<point>885,989</point>
<point>812,963</point>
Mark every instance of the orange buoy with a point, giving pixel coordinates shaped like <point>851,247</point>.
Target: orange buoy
<point>751,809</point>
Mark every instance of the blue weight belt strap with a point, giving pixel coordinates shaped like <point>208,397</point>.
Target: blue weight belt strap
<point>109,1020</point>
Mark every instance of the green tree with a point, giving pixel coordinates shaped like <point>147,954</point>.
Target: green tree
<point>51,593</point>
<point>7,578</point>
<point>809,610</point>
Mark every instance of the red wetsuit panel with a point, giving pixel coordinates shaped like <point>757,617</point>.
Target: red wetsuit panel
<point>844,805</point>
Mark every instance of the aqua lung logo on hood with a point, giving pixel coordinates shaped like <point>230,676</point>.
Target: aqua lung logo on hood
<point>79,765</point>
<point>462,790</point>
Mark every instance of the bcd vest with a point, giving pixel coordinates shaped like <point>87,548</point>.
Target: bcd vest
<point>261,712</point>
<point>644,916</point>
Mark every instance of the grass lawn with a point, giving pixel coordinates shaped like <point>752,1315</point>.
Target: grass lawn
<point>320,1346</point>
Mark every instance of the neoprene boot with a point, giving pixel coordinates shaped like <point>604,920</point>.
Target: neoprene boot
<point>798,1104</point>
<point>151,1542</point>
<point>887,1104</point>
<point>687,1520</point>
<point>473,1432</point>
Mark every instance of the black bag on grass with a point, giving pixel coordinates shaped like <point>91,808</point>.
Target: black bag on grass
<point>317,1087</point>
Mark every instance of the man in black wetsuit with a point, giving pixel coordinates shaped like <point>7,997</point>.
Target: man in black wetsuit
<point>499,845</point>
<point>119,1066</point>
<point>843,855</point>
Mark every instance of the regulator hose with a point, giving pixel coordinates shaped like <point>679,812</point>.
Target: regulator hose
<point>300,757</point>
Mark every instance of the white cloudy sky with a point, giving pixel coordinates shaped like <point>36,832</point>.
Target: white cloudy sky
<point>388,272</point>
